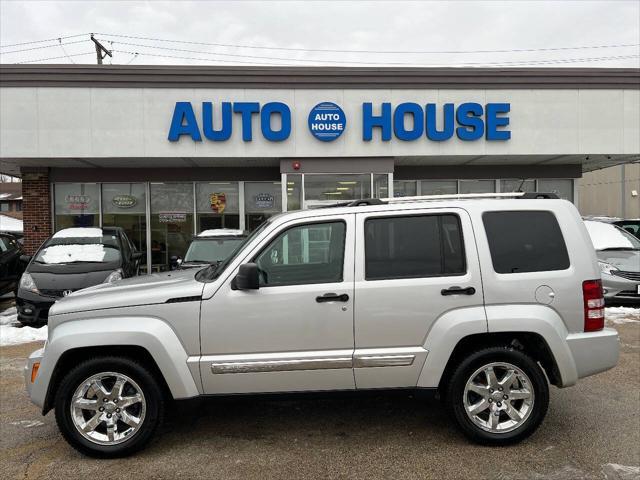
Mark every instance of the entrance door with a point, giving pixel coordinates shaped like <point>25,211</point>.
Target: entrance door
<point>296,331</point>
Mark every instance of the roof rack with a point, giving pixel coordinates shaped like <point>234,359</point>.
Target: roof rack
<point>456,196</point>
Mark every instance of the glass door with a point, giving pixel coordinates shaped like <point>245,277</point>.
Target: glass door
<point>328,189</point>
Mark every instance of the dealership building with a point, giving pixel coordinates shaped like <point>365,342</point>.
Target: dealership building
<point>169,151</point>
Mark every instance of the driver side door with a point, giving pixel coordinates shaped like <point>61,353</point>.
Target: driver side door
<point>295,332</point>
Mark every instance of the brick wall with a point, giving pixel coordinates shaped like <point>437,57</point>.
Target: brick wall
<point>36,207</point>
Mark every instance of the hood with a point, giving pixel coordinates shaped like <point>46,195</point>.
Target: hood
<point>53,284</point>
<point>626,260</point>
<point>143,290</point>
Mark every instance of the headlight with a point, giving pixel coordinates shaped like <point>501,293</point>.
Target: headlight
<point>113,276</point>
<point>607,268</point>
<point>27,283</point>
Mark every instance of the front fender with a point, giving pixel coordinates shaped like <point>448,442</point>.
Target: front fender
<point>150,333</point>
<point>542,320</point>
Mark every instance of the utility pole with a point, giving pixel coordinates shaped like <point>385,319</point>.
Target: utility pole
<point>99,49</point>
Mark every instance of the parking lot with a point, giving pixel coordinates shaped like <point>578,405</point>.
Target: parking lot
<point>592,431</point>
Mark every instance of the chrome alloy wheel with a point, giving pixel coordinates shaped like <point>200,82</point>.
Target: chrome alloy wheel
<point>108,408</point>
<point>498,397</point>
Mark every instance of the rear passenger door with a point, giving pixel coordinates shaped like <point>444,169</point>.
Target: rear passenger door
<point>412,266</point>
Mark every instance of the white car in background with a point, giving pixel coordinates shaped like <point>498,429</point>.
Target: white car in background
<point>210,246</point>
<point>618,254</point>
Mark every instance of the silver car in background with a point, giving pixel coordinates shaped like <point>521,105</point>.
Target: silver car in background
<point>618,255</point>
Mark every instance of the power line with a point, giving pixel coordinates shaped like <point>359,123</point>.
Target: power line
<point>43,41</point>
<point>370,51</point>
<point>65,53</point>
<point>529,62</point>
<point>55,58</point>
<point>44,46</point>
<point>284,59</point>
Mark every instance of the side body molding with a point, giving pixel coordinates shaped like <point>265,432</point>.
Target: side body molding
<point>150,333</point>
<point>542,320</point>
<point>443,337</point>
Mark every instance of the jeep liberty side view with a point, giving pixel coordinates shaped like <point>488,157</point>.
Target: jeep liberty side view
<point>483,299</point>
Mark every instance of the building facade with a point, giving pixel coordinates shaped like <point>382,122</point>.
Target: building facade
<point>611,192</point>
<point>166,152</point>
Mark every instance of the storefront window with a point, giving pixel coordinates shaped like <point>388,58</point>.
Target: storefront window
<point>294,191</point>
<point>439,187</point>
<point>171,222</point>
<point>516,185</point>
<point>217,205</point>
<point>561,187</point>
<point>405,188</point>
<point>76,205</point>
<point>380,186</point>
<point>327,189</point>
<point>477,186</point>
<point>261,201</point>
<point>125,205</point>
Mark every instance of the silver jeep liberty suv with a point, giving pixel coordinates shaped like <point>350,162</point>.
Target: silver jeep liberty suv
<point>482,299</point>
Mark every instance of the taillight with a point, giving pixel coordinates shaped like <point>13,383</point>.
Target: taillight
<point>593,305</point>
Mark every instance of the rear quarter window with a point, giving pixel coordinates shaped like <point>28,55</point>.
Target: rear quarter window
<point>525,241</point>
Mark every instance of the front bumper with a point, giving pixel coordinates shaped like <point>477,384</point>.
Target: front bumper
<point>33,309</point>
<point>35,393</point>
<point>620,290</point>
<point>594,352</point>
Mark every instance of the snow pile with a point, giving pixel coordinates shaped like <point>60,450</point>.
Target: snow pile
<point>79,232</point>
<point>221,232</point>
<point>619,315</point>
<point>73,253</point>
<point>9,224</point>
<point>10,335</point>
<point>9,316</point>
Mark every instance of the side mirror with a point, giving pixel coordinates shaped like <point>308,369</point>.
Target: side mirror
<point>247,277</point>
<point>25,258</point>
<point>136,255</point>
<point>174,262</point>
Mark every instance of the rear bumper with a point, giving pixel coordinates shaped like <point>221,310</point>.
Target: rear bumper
<point>594,352</point>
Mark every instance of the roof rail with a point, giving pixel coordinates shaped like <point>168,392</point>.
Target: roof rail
<point>419,198</point>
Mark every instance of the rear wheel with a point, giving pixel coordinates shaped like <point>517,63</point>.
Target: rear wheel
<point>498,396</point>
<point>108,407</point>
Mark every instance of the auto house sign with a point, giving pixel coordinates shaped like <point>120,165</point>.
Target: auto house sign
<point>124,201</point>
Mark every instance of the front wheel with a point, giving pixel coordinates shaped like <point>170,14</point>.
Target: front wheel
<point>108,407</point>
<point>498,396</point>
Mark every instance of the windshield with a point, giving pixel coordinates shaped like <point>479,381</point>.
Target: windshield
<point>212,250</point>
<point>605,236</point>
<point>59,250</point>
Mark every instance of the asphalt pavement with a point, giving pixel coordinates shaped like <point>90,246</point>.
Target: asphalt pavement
<point>592,431</point>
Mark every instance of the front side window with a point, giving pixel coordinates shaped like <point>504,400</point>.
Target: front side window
<point>413,246</point>
<point>525,241</point>
<point>305,254</point>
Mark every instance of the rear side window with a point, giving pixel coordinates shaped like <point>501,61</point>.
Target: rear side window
<point>525,241</point>
<point>413,246</point>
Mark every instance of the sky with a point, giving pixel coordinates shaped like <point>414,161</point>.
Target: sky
<point>395,34</point>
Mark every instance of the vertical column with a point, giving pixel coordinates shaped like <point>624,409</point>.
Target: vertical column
<point>36,207</point>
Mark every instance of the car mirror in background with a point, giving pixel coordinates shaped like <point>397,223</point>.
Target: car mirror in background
<point>174,262</point>
<point>25,258</point>
<point>247,278</point>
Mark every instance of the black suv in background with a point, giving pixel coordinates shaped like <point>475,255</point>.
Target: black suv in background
<point>70,260</point>
<point>10,265</point>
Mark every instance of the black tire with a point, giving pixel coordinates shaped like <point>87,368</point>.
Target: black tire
<point>122,365</point>
<point>454,394</point>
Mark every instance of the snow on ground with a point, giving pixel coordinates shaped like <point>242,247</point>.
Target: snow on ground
<point>9,316</point>
<point>10,335</point>
<point>618,315</point>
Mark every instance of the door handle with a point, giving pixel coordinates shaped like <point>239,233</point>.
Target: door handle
<point>332,297</point>
<point>458,291</point>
